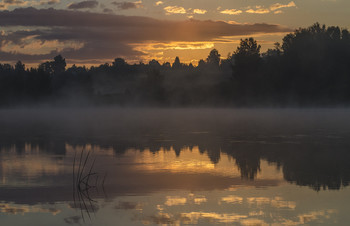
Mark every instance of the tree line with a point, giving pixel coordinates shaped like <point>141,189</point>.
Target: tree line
<point>310,68</point>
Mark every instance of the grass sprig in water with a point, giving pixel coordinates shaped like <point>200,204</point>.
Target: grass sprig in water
<point>82,183</point>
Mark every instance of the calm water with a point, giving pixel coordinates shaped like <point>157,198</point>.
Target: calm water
<point>174,167</point>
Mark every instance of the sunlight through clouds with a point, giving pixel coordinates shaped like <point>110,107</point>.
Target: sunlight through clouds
<point>199,11</point>
<point>279,5</point>
<point>175,10</point>
<point>4,4</point>
<point>231,11</point>
<point>159,3</point>
<point>258,11</point>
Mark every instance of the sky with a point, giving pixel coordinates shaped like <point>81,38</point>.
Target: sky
<point>97,31</point>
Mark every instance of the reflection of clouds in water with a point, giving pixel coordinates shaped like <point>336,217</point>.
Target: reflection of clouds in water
<point>252,221</point>
<point>29,165</point>
<point>232,199</point>
<point>22,209</point>
<point>256,213</point>
<point>191,199</point>
<point>251,211</point>
<point>253,218</point>
<point>191,218</point>
<point>316,215</point>
<point>310,217</point>
<point>276,202</point>
<point>174,201</point>
<point>129,206</point>
<point>199,201</point>
<point>212,217</point>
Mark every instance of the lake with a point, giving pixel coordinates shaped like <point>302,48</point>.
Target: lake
<point>140,166</point>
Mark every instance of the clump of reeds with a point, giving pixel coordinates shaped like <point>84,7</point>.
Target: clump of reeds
<point>83,182</point>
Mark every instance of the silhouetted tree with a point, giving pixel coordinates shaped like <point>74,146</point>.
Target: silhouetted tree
<point>201,64</point>
<point>59,64</point>
<point>214,58</point>
<point>119,63</point>
<point>154,64</point>
<point>177,64</point>
<point>19,67</point>
<point>246,70</point>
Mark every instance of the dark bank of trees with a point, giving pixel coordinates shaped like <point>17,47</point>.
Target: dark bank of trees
<point>310,68</point>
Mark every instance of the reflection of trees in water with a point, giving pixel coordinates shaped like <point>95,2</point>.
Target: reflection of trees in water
<point>319,169</point>
<point>248,165</point>
<point>319,166</point>
<point>307,165</point>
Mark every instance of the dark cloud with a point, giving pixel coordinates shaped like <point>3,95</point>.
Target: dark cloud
<point>106,10</point>
<point>50,2</point>
<point>6,3</point>
<point>83,5</point>
<point>127,5</point>
<point>106,36</point>
<point>12,2</point>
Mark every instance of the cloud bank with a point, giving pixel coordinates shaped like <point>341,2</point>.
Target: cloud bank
<point>93,36</point>
<point>83,5</point>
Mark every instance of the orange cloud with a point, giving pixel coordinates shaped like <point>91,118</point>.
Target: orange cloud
<point>231,11</point>
<point>159,3</point>
<point>279,5</point>
<point>199,11</point>
<point>175,10</point>
<point>258,11</point>
<point>105,35</point>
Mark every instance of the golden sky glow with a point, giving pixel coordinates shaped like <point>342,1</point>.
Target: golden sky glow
<point>149,29</point>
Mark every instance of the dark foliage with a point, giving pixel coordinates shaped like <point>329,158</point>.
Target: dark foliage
<point>310,68</point>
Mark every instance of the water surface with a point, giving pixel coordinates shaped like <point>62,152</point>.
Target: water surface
<point>175,167</point>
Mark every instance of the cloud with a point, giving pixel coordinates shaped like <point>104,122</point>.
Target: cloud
<point>276,6</point>
<point>199,11</point>
<point>6,3</point>
<point>175,10</point>
<point>128,5</point>
<point>83,5</point>
<point>106,10</point>
<point>159,3</point>
<point>279,5</point>
<point>49,2</point>
<point>258,11</point>
<point>105,36</point>
<point>231,11</point>
<point>278,12</point>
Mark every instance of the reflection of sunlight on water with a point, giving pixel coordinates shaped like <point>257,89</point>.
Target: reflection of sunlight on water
<point>238,204</point>
<point>7,208</point>
<point>314,215</point>
<point>191,160</point>
<point>174,201</point>
<point>194,217</point>
<point>232,199</point>
<point>28,165</point>
<point>276,202</point>
<point>191,199</point>
<point>238,210</point>
<point>33,163</point>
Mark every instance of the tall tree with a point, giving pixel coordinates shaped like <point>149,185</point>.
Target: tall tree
<point>214,58</point>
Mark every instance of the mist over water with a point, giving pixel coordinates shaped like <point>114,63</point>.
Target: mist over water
<point>176,166</point>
